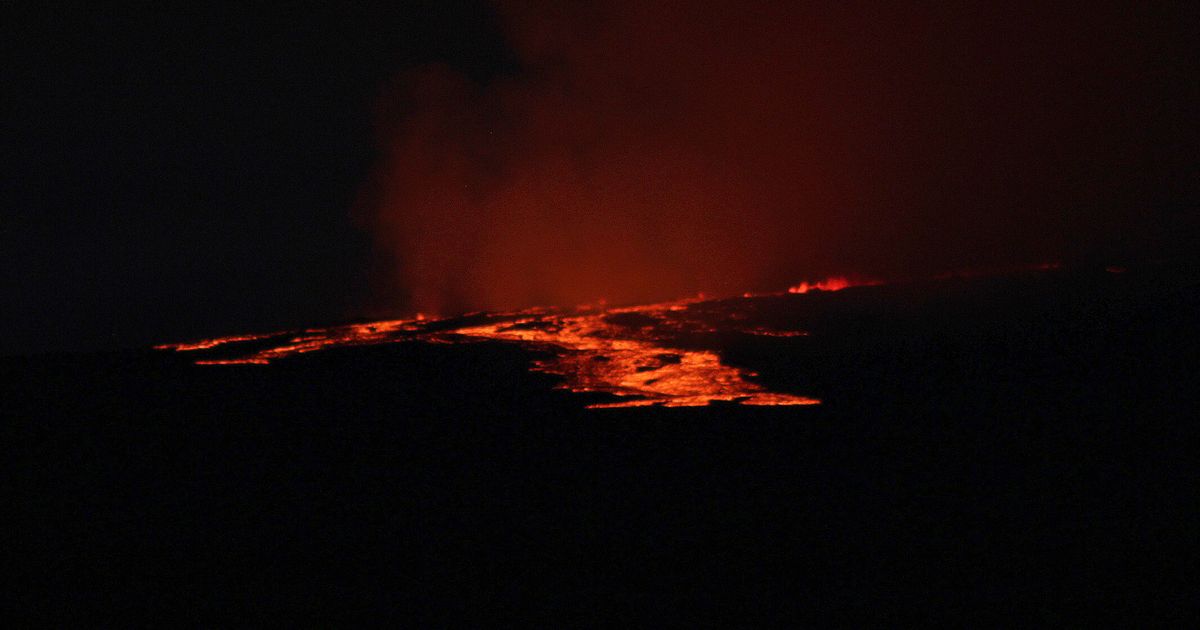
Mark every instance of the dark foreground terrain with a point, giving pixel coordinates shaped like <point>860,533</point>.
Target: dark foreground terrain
<point>1014,447</point>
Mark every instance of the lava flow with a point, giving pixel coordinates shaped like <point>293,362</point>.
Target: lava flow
<point>308,341</point>
<point>835,283</point>
<point>627,353</point>
<point>640,356</point>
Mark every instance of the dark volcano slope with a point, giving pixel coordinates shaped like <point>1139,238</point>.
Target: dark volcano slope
<point>1010,446</point>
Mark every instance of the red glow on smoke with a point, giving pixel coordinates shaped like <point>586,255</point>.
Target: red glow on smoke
<point>640,151</point>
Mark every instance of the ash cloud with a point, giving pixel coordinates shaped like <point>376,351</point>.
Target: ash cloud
<point>651,150</point>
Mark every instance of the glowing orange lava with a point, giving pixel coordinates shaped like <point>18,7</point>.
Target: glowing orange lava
<point>833,283</point>
<point>205,344</point>
<point>654,354</point>
<point>631,353</point>
<point>632,361</point>
<point>311,340</point>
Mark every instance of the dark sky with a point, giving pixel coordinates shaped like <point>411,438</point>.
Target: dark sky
<point>172,175</point>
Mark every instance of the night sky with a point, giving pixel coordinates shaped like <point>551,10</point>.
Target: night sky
<point>186,173</point>
<point>179,174</point>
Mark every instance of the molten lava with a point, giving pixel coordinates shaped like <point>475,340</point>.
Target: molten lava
<point>834,283</point>
<point>634,360</point>
<point>205,344</point>
<point>311,340</point>
<point>640,356</point>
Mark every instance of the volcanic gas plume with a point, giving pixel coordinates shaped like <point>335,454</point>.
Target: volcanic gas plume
<point>642,151</point>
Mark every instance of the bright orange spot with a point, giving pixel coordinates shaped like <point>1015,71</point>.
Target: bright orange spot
<point>834,283</point>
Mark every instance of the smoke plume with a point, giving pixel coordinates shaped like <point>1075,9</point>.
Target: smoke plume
<point>643,151</point>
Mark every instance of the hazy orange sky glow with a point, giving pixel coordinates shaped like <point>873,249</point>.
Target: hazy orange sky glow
<point>642,153</point>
